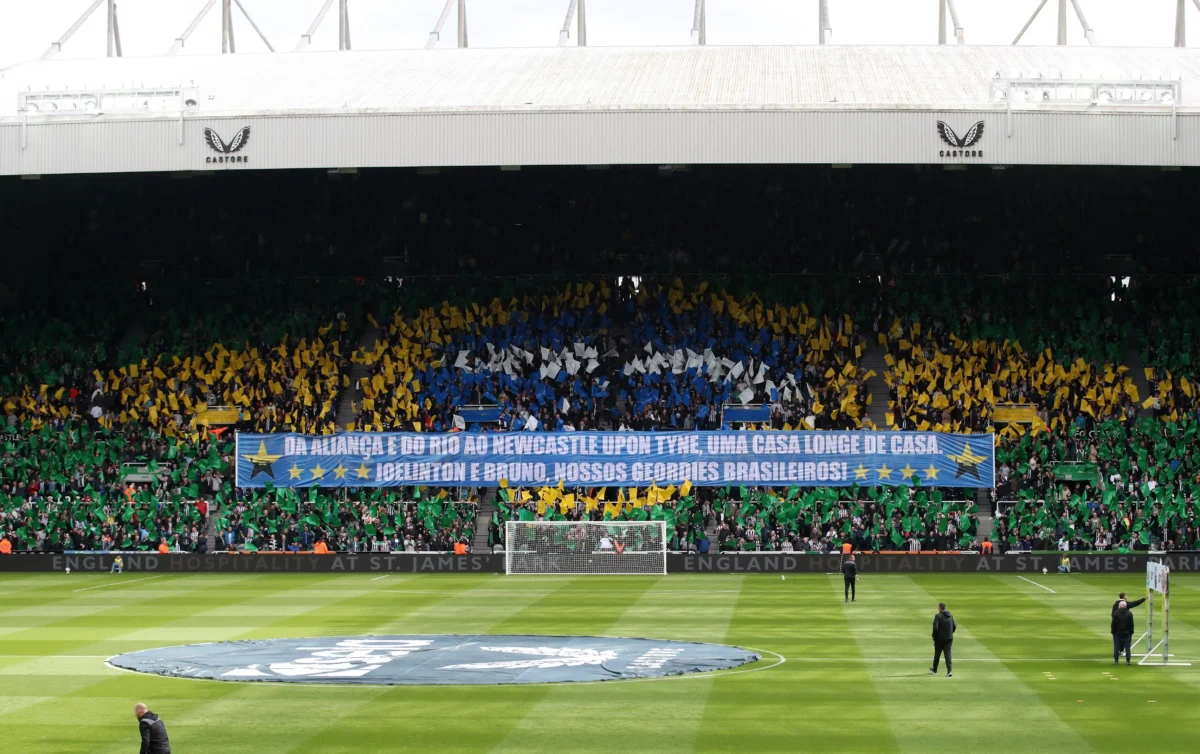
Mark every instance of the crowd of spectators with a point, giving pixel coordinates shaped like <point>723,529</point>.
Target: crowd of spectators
<point>672,296</point>
<point>638,355</point>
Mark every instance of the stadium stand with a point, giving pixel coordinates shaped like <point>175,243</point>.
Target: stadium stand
<point>105,389</point>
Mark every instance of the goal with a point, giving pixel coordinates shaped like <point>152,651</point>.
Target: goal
<point>578,548</point>
<point>1158,582</point>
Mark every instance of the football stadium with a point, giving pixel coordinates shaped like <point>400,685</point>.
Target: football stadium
<point>578,398</point>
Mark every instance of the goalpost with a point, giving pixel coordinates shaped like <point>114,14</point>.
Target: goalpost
<point>579,548</point>
<point>1158,581</point>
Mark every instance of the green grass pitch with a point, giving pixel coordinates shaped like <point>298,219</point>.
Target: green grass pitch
<point>1033,669</point>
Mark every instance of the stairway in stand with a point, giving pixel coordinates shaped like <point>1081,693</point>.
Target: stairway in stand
<point>986,515</point>
<point>1131,355</point>
<point>483,519</point>
<point>872,360</point>
<point>353,395</point>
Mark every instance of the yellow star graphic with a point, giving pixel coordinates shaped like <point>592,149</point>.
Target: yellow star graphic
<point>884,472</point>
<point>261,461</point>
<point>931,472</point>
<point>340,471</point>
<point>316,471</point>
<point>908,471</point>
<point>295,472</point>
<point>967,458</point>
<point>363,472</point>
<point>861,472</point>
<point>968,462</point>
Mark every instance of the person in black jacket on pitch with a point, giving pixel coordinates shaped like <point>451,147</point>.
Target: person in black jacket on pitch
<point>850,575</point>
<point>1131,604</point>
<point>1122,633</point>
<point>154,731</point>
<point>943,638</point>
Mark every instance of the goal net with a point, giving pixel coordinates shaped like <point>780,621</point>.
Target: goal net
<point>1158,585</point>
<point>585,547</point>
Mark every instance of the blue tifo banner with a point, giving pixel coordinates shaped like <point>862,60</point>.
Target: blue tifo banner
<point>715,459</point>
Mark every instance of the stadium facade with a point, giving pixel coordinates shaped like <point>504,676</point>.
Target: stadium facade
<point>598,106</point>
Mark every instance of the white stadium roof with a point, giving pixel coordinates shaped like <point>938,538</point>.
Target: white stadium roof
<point>596,105</point>
<point>601,78</point>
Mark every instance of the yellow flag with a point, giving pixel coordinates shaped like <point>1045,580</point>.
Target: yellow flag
<point>685,488</point>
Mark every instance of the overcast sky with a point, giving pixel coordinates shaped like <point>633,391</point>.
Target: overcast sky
<point>148,27</point>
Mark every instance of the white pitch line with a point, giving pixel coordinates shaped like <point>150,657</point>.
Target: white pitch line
<point>506,592</point>
<point>1048,589</point>
<point>956,659</point>
<point>384,576</point>
<point>121,583</point>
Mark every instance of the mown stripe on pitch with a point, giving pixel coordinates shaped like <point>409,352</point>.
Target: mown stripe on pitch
<point>47,736</point>
<point>197,603</point>
<point>1078,620</point>
<point>205,706</point>
<point>643,717</point>
<point>983,702</point>
<point>795,706</point>
<point>430,716</point>
<point>81,625</point>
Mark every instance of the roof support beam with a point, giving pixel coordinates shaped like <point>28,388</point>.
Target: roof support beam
<point>825,26</point>
<point>226,21</point>
<point>254,26</point>
<point>113,30</point>
<point>227,43</point>
<point>581,32</point>
<point>1181,22</point>
<point>436,35</point>
<point>1024,28</point>
<point>1088,33</point>
<point>699,30</point>
<point>182,39</point>
<point>462,22</point>
<point>958,29</point>
<point>306,37</point>
<point>343,24</point>
<point>564,34</point>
